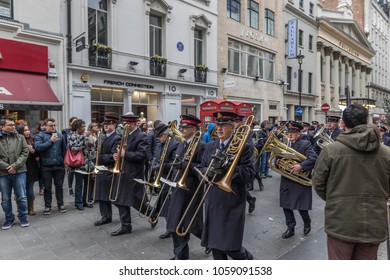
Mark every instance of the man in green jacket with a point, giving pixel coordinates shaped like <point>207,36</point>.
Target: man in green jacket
<point>13,157</point>
<point>352,175</point>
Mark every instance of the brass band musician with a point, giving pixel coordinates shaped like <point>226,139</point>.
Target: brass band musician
<point>132,156</point>
<point>223,228</point>
<point>108,145</point>
<point>180,197</point>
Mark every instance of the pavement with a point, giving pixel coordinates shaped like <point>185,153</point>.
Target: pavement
<point>73,236</point>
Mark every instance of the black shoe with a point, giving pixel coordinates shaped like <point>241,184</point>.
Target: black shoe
<point>62,209</point>
<point>288,233</point>
<point>102,221</point>
<point>166,234</point>
<point>252,205</point>
<point>47,211</point>
<point>87,205</point>
<point>207,250</point>
<point>268,176</point>
<point>80,207</point>
<point>306,230</point>
<point>121,230</point>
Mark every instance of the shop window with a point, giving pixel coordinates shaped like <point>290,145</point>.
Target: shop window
<point>103,94</point>
<point>6,8</point>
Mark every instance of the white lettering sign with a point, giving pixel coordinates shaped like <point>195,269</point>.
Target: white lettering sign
<point>292,32</point>
<point>4,91</point>
<point>229,84</point>
<point>253,35</point>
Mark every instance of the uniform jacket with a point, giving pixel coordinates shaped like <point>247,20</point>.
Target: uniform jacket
<point>153,143</point>
<point>131,192</point>
<point>335,133</point>
<point>103,179</point>
<point>225,212</point>
<point>14,152</point>
<point>293,195</point>
<point>50,154</point>
<point>180,198</point>
<point>353,176</point>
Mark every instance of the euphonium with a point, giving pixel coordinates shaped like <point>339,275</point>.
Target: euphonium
<point>283,158</point>
<point>119,165</point>
<point>175,132</point>
<point>234,152</point>
<point>189,156</point>
<point>323,138</point>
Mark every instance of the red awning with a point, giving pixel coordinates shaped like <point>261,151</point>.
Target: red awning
<point>23,91</point>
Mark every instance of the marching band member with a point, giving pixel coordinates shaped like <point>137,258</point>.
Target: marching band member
<point>294,196</point>
<point>133,155</point>
<point>109,143</point>
<point>163,134</point>
<point>223,228</point>
<point>180,198</point>
<point>333,129</point>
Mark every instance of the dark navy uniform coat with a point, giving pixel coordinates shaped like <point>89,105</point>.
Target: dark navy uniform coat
<point>293,195</point>
<point>104,178</point>
<point>225,212</point>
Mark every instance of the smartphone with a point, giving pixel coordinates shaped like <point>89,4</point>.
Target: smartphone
<point>55,134</point>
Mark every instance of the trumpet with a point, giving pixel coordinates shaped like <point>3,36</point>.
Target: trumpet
<point>113,196</point>
<point>233,154</point>
<point>323,138</point>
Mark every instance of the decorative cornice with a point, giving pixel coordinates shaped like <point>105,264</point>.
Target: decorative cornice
<point>158,5</point>
<point>200,20</point>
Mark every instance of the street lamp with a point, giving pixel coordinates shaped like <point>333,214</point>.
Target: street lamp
<point>300,58</point>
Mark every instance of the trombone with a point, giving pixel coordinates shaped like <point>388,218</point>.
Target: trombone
<point>118,168</point>
<point>233,154</point>
<point>91,197</point>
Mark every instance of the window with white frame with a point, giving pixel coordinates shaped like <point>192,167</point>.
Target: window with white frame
<point>233,9</point>
<point>270,22</point>
<point>198,46</point>
<point>250,61</point>
<point>97,22</point>
<point>253,14</point>
<point>301,4</point>
<point>6,8</point>
<point>155,35</point>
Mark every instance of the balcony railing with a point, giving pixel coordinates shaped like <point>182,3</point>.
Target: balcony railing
<point>158,67</point>
<point>100,57</point>
<point>200,75</point>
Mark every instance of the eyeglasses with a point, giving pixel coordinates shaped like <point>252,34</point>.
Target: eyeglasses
<point>51,125</point>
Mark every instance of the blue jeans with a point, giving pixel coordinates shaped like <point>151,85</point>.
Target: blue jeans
<point>264,169</point>
<point>17,182</point>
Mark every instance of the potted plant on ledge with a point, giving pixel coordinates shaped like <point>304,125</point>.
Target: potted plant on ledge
<point>158,65</point>
<point>201,73</point>
<point>100,55</point>
<point>102,48</point>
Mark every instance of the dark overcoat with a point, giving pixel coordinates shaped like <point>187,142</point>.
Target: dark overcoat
<point>131,192</point>
<point>224,224</point>
<point>165,168</point>
<point>104,178</point>
<point>180,198</point>
<point>293,195</point>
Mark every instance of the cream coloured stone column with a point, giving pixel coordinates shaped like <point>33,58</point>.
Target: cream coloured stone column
<point>328,51</point>
<point>291,112</point>
<point>336,81</point>
<point>368,75</point>
<point>363,81</point>
<point>350,82</point>
<point>343,84</point>
<point>357,79</point>
<point>318,82</point>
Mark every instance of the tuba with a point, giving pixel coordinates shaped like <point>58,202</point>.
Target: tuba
<point>283,158</point>
<point>323,138</point>
<point>118,166</point>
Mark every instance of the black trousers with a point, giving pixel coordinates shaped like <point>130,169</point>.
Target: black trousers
<point>180,246</point>
<point>290,218</point>
<point>105,208</point>
<point>52,174</point>
<point>124,215</point>
<point>242,254</point>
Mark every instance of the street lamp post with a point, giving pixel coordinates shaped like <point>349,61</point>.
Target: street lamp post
<point>300,58</point>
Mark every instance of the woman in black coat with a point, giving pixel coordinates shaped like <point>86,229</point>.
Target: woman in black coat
<point>32,166</point>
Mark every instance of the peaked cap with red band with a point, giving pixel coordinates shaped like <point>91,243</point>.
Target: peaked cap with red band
<point>189,120</point>
<point>225,117</point>
<point>130,118</point>
<point>295,126</point>
<point>333,119</point>
<point>111,119</point>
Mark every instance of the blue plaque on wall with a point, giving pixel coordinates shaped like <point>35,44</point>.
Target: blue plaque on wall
<point>180,46</point>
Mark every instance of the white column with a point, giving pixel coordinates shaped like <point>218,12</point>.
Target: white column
<point>291,112</point>
<point>305,117</point>
<point>363,81</point>
<point>318,82</point>
<point>328,51</point>
<point>336,83</point>
<point>357,80</point>
<point>350,83</point>
<point>342,78</point>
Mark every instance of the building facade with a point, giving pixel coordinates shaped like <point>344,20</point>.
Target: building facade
<point>251,55</point>
<point>155,58</point>
<point>305,15</point>
<point>32,60</point>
